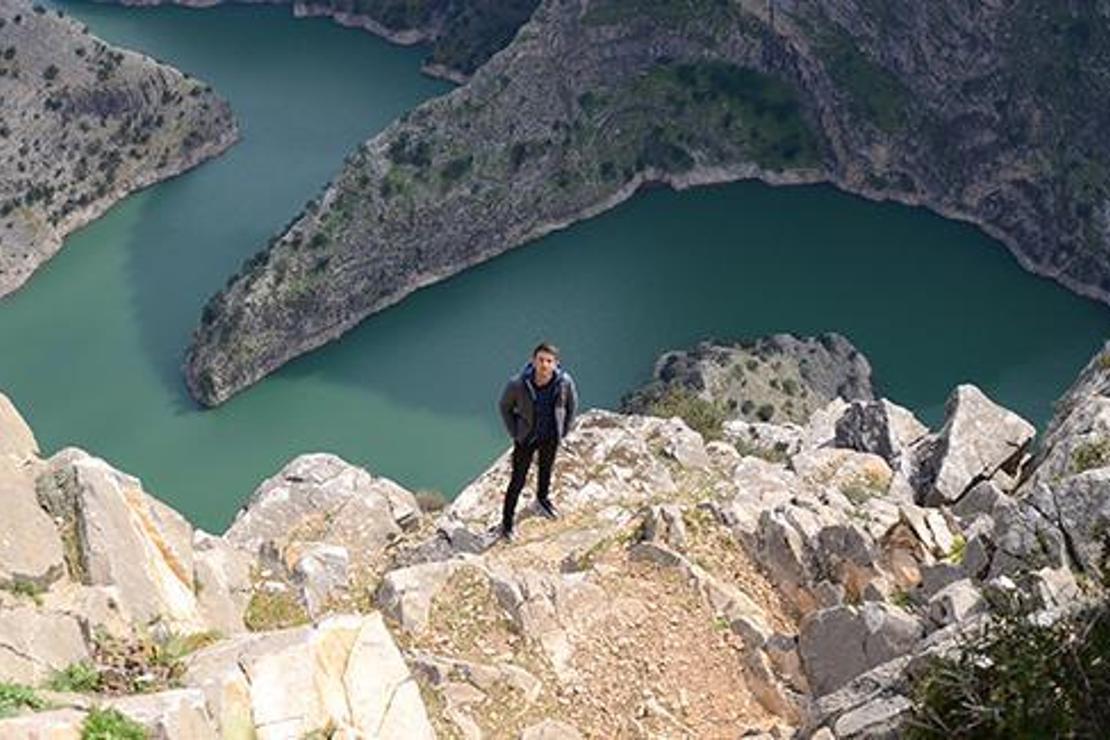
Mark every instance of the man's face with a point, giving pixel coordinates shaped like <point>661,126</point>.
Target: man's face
<point>544,362</point>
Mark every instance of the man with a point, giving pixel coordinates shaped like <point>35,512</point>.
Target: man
<point>538,408</point>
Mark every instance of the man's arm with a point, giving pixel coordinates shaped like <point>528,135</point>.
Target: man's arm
<point>572,404</point>
<point>507,407</point>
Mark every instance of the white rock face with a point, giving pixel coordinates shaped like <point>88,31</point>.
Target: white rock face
<point>337,502</point>
<point>34,644</point>
<point>979,440</point>
<point>125,538</point>
<point>30,547</point>
<point>345,673</point>
<point>16,438</point>
<point>840,643</point>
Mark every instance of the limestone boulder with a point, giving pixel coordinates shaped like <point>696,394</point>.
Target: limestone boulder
<point>222,579</point>
<point>840,643</point>
<point>30,545</point>
<point>344,673</point>
<point>1080,506</point>
<point>35,643</point>
<point>322,498</point>
<point>57,724</point>
<point>1078,435</point>
<point>858,475</point>
<point>16,438</point>
<point>881,428</point>
<point>321,571</point>
<point>955,603</point>
<point>180,714</point>
<point>406,594</point>
<point>764,439</point>
<point>979,440</point>
<point>124,538</point>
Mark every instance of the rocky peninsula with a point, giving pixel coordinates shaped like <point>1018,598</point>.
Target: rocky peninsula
<point>692,587</point>
<point>82,124</point>
<point>977,112</point>
<point>782,377</point>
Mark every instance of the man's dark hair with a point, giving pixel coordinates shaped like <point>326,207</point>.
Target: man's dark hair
<point>546,347</point>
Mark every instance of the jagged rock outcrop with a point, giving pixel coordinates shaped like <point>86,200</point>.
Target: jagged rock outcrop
<point>82,124</point>
<point>345,674</point>
<point>781,378</point>
<point>687,586</point>
<point>980,440</point>
<point>593,99</point>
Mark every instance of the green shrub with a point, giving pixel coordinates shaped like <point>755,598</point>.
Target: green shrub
<point>80,677</point>
<point>27,589</point>
<point>1090,455</point>
<point>111,724</point>
<point>269,610</point>
<point>704,417</point>
<point>1020,679</point>
<point>429,501</point>
<point>15,697</point>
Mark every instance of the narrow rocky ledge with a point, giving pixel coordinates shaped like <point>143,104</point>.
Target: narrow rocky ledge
<point>689,585</point>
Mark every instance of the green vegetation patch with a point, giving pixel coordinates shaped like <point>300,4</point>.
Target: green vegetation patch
<point>704,417</point>
<point>1090,455</point>
<point>81,677</point>
<point>876,93</point>
<point>15,698</point>
<point>111,724</point>
<point>270,610</point>
<point>719,109</point>
<point>1020,679</point>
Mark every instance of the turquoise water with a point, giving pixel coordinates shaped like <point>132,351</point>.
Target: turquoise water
<point>93,343</point>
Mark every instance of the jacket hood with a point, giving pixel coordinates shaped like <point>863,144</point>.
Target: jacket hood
<point>528,372</point>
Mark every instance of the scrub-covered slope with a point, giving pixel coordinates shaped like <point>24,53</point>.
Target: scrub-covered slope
<point>980,112</point>
<point>82,124</point>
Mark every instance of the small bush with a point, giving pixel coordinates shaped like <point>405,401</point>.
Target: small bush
<point>16,697</point>
<point>1090,455</point>
<point>430,501</point>
<point>27,589</point>
<point>1021,679</point>
<point>705,417</point>
<point>79,677</point>
<point>111,724</point>
<point>765,412</point>
<point>269,610</point>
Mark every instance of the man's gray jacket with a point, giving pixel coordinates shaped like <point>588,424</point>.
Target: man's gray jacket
<point>518,410</point>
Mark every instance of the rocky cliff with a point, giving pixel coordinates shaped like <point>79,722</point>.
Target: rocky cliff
<point>978,112</point>
<point>82,124</point>
<point>463,34</point>
<point>689,589</point>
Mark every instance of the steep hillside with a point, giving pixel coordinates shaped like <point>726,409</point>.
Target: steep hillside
<point>981,112</point>
<point>82,124</point>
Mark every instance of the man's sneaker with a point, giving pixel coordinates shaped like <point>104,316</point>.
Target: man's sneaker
<point>506,535</point>
<point>548,509</point>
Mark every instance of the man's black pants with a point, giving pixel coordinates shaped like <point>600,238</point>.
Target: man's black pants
<point>522,460</point>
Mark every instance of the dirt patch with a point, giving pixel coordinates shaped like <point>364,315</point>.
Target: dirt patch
<point>657,663</point>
